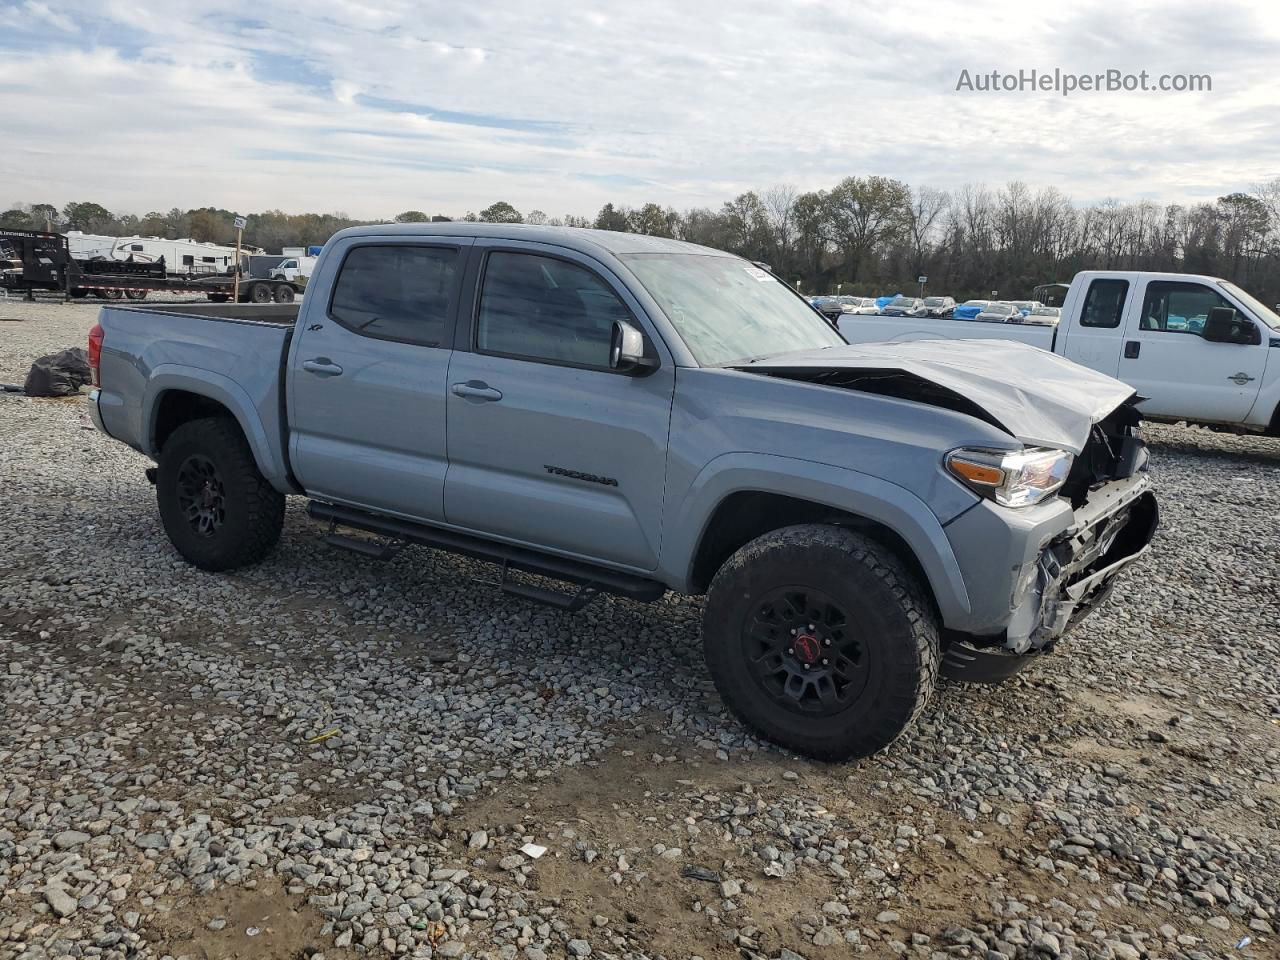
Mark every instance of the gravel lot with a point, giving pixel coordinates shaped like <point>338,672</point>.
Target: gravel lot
<point>326,757</point>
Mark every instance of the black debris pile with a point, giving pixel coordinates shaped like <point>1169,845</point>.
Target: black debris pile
<point>59,374</point>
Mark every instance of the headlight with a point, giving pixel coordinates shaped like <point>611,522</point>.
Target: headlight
<point>1016,479</point>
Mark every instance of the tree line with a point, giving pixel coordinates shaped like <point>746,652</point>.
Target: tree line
<point>865,235</point>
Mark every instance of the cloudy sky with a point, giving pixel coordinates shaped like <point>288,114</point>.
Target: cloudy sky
<point>371,107</point>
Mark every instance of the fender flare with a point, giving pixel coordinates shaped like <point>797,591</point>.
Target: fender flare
<point>170,377</point>
<point>837,487</point>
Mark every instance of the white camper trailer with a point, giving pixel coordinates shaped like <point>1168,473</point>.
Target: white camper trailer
<point>89,246</point>
<point>180,256</point>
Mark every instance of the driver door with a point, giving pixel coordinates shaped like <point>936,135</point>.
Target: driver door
<point>1167,359</point>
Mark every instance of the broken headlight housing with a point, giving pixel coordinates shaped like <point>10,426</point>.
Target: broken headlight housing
<point>1016,478</point>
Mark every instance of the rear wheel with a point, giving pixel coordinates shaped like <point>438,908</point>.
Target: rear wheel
<point>284,293</point>
<point>217,508</point>
<point>112,294</point>
<point>136,294</point>
<point>821,639</point>
<point>260,293</point>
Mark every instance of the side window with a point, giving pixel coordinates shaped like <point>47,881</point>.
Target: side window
<point>396,292</point>
<point>546,309</point>
<point>1104,303</point>
<point>136,246</point>
<point>1172,306</point>
<point>188,260</point>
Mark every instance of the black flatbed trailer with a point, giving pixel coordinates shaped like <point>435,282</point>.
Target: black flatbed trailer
<point>42,261</point>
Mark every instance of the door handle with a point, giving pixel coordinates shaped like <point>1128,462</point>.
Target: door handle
<point>1241,378</point>
<point>1131,349</point>
<point>476,390</point>
<point>321,367</point>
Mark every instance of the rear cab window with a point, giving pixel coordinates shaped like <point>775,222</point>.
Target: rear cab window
<point>397,292</point>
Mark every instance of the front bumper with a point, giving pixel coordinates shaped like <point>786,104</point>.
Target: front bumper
<point>1064,575</point>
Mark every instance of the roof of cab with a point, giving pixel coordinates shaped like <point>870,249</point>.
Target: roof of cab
<point>575,238</point>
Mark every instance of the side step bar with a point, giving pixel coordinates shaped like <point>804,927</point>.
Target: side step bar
<point>531,561</point>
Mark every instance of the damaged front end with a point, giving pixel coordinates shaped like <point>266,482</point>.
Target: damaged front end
<point>1114,520</point>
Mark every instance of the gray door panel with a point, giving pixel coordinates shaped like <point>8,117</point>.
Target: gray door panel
<point>569,459</point>
<point>554,451</point>
<point>373,436</point>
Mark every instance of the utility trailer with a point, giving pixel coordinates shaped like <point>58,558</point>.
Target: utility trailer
<point>42,261</point>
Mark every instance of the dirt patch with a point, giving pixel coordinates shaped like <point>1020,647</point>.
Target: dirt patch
<point>263,923</point>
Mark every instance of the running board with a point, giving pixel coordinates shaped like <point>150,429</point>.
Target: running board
<point>585,575</point>
<point>366,548</point>
<point>570,602</point>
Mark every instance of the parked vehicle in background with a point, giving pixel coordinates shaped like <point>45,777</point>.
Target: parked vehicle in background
<point>938,306</point>
<point>632,414</point>
<point>1045,316</point>
<point>1051,294</point>
<point>859,304</point>
<point>969,309</point>
<point>904,307</point>
<point>829,307</point>
<point>1025,306</point>
<point>998,313</point>
<point>297,269</point>
<point>882,302</point>
<point>1198,348</point>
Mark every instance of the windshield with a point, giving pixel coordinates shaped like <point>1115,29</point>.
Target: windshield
<point>1260,309</point>
<point>999,308</point>
<point>726,310</point>
<point>903,302</point>
<point>975,303</point>
<point>933,301</point>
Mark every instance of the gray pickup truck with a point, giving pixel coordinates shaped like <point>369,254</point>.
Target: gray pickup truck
<point>630,414</point>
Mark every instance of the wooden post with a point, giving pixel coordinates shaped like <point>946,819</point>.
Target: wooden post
<point>235,298</point>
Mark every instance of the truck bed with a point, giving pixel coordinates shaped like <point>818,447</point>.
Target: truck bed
<point>235,353</point>
<point>872,328</point>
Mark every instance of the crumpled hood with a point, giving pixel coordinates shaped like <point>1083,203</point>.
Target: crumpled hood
<point>1039,397</point>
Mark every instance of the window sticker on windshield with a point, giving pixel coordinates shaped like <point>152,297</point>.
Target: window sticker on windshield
<point>758,274</point>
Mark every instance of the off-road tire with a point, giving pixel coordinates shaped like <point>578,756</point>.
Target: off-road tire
<point>283,293</point>
<point>885,606</point>
<point>252,509</point>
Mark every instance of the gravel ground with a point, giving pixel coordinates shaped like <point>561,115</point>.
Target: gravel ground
<point>326,757</point>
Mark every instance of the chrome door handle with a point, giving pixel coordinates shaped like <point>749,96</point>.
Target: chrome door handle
<point>1241,378</point>
<point>476,390</point>
<point>322,367</point>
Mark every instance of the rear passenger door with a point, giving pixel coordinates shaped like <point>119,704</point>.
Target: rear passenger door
<point>547,445</point>
<point>1095,327</point>
<point>366,387</point>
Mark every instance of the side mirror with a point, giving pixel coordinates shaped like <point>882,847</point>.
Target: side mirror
<point>626,350</point>
<point>1225,325</point>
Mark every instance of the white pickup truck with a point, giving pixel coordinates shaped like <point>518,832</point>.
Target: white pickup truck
<point>1197,348</point>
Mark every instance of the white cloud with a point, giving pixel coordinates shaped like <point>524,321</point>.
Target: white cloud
<point>375,108</point>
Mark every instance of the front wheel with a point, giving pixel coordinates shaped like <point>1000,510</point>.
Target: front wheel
<point>821,639</point>
<point>217,508</point>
